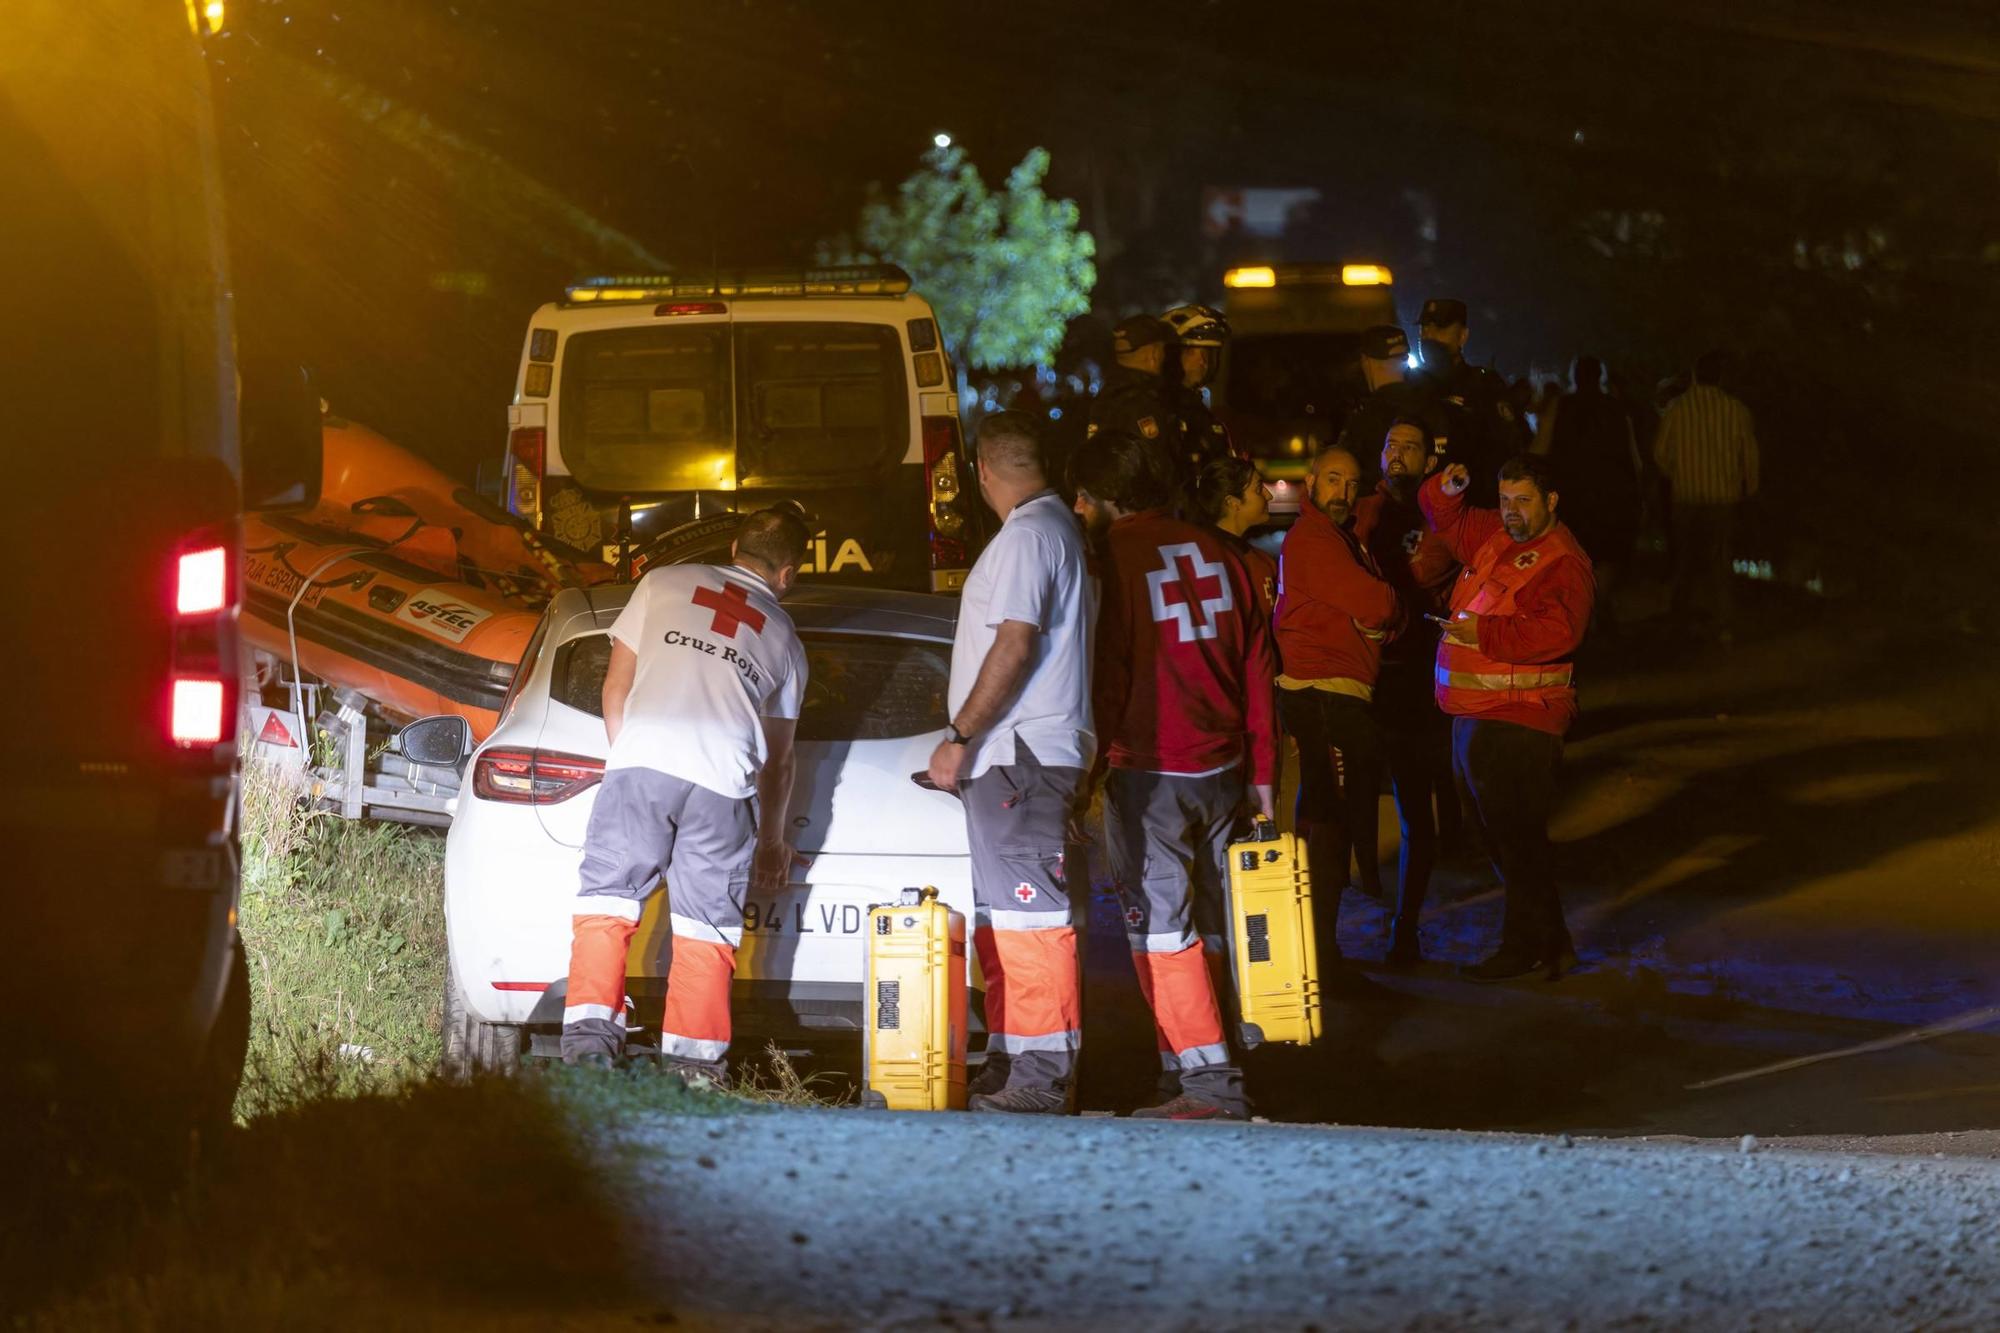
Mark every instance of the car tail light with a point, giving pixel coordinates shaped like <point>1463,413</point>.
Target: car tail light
<point>533,777</point>
<point>527,448</point>
<point>199,709</point>
<point>201,581</point>
<point>942,447</point>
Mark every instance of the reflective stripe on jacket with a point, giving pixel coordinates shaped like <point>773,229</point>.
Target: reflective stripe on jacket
<point>1471,684</point>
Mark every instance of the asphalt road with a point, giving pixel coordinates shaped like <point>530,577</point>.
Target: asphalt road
<point>808,1220</point>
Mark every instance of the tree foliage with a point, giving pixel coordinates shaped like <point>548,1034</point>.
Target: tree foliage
<point>1005,270</point>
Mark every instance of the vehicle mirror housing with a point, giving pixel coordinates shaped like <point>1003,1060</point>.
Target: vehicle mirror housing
<point>278,409</point>
<point>436,742</point>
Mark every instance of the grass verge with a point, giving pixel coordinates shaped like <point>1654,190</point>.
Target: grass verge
<point>343,924</point>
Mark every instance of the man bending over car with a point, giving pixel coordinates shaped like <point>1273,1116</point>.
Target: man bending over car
<point>701,701</point>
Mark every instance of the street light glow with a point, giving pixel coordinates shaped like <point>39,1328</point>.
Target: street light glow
<point>941,139</point>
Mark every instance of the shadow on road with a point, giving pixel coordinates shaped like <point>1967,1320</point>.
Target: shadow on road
<point>449,1205</point>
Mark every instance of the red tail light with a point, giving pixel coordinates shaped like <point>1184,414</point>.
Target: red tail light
<point>533,777</point>
<point>527,447</point>
<point>942,449</point>
<point>201,581</point>
<point>200,709</point>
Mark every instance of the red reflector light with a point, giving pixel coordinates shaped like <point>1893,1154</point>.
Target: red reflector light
<point>940,439</point>
<point>201,582</point>
<point>527,445</point>
<point>691,308</point>
<point>197,711</point>
<point>533,777</point>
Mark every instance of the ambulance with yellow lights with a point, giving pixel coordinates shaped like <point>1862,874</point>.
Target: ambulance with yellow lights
<point>1290,373</point>
<point>646,404</point>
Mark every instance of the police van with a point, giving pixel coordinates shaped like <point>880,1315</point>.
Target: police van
<point>1291,371</point>
<point>645,405</point>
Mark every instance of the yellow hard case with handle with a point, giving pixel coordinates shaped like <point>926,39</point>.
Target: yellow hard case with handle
<point>1275,956</point>
<point>913,1034</point>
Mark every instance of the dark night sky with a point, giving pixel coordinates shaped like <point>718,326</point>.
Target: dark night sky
<point>374,146</point>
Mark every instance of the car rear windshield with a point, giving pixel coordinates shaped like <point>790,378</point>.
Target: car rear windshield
<point>858,687</point>
<point>1291,374</point>
<point>656,409</point>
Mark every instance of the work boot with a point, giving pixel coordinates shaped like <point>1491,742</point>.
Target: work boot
<point>1185,1107</point>
<point>992,1076</point>
<point>1503,966</point>
<point>1046,1100</point>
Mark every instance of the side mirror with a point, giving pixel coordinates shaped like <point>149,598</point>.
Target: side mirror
<point>436,742</point>
<point>279,415</point>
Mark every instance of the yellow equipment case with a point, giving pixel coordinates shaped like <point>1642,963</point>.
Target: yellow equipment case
<point>913,1031</point>
<point>1274,954</point>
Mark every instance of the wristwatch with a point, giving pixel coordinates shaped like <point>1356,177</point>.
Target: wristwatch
<point>955,736</point>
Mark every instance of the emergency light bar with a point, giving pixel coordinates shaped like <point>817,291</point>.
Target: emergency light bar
<point>853,280</point>
<point>1289,275</point>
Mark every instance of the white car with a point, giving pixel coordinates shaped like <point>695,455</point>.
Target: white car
<point>874,710</point>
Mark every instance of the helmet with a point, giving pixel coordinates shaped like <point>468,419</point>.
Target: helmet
<point>1198,325</point>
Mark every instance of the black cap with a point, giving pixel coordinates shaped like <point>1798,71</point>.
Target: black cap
<point>1442,311</point>
<point>1385,342</point>
<point>1136,331</point>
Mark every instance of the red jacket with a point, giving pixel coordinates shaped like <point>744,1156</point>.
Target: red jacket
<point>1415,561</point>
<point>1262,569</point>
<point>1184,661</point>
<point>1334,608</point>
<point>1551,609</point>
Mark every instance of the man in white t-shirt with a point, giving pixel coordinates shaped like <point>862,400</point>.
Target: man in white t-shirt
<point>700,702</point>
<point>1020,744</point>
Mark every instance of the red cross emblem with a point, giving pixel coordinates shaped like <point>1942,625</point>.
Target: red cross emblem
<point>1187,587</point>
<point>732,608</point>
<point>1025,892</point>
<point>1526,559</point>
<point>1134,917</point>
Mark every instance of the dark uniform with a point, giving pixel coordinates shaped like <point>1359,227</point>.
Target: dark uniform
<point>1481,428</point>
<point>1139,402</point>
<point>1203,438</point>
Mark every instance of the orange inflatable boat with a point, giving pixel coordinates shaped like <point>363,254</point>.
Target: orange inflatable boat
<point>401,584</point>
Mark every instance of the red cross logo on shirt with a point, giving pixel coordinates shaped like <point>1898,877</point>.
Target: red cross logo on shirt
<point>732,608</point>
<point>1189,586</point>
<point>1025,892</point>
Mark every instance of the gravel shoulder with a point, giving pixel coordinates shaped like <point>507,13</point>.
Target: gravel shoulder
<point>806,1219</point>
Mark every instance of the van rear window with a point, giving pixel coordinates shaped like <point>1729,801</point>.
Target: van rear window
<point>1291,374</point>
<point>858,687</point>
<point>652,409</point>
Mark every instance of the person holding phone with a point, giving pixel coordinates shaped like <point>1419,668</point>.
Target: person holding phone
<point>1416,736</point>
<point>1518,612</point>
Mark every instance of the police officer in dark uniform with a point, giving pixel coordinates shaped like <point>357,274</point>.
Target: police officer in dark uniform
<point>1136,397</point>
<point>1385,367</point>
<point>1482,430</point>
<point>1200,332</point>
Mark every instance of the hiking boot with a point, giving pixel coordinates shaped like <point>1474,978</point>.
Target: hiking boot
<point>1185,1107</point>
<point>1024,1101</point>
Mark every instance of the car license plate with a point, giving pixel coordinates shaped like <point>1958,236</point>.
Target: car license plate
<point>797,913</point>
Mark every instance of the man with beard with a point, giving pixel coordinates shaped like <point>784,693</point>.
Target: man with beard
<point>1335,611</point>
<point>1519,610</point>
<point>1385,369</point>
<point>1416,737</point>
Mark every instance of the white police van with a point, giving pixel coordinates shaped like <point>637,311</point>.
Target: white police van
<point>675,399</point>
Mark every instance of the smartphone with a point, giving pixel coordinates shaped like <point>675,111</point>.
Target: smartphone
<point>1442,620</point>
